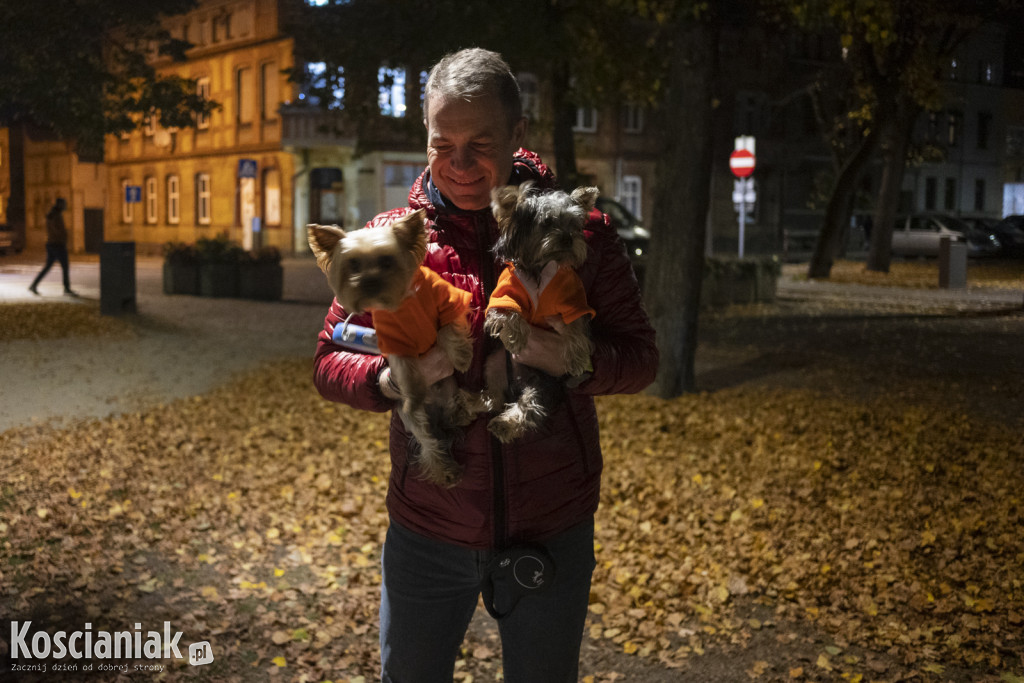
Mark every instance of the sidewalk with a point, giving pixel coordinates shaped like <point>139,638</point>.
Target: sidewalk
<point>794,286</point>
<point>180,346</point>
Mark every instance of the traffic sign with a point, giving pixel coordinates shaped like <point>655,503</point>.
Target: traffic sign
<point>132,194</point>
<point>742,163</point>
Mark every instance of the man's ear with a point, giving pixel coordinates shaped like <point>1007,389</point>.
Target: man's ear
<point>585,197</point>
<point>411,233</point>
<point>322,240</point>
<point>503,202</point>
<point>519,131</point>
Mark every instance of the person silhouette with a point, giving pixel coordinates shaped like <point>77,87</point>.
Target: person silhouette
<point>56,247</point>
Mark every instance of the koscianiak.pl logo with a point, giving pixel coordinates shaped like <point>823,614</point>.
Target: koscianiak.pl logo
<point>79,650</point>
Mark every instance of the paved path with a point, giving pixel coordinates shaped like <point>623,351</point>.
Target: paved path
<point>184,345</point>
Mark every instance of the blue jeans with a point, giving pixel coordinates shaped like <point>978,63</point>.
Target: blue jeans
<point>430,592</point>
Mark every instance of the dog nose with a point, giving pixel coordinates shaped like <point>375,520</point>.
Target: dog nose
<point>371,286</point>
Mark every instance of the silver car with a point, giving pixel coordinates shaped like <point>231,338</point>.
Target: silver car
<point>922,234</point>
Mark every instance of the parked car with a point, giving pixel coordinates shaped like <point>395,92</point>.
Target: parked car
<point>10,239</point>
<point>921,235</point>
<point>1009,232</point>
<point>630,230</point>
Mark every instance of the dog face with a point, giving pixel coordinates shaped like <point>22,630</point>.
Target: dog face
<point>370,268</point>
<point>539,227</point>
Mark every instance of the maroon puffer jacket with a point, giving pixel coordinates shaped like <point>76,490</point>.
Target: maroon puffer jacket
<point>549,480</point>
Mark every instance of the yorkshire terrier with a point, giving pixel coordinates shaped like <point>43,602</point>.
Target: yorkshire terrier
<point>541,242</point>
<point>379,270</point>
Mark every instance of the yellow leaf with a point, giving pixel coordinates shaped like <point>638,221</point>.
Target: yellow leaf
<point>278,572</point>
<point>824,663</point>
<point>42,513</point>
<point>75,495</point>
<point>797,672</point>
<point>209,592</point>
<point>629,647</point>
<point>280,661</point>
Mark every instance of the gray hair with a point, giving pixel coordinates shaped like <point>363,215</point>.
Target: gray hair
<point>472,73</point>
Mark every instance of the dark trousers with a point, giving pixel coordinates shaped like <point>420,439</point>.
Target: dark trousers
<point>59,253</point>
<point>431,590</point>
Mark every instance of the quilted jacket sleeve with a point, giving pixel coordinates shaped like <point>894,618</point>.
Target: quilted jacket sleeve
<point>347,376</point>
<point>625,355</point>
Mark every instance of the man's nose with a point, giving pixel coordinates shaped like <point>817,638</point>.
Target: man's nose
<point>462,159</point>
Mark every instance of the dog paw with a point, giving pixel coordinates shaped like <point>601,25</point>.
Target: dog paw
<point>506,428</point>
<point>440,470</point>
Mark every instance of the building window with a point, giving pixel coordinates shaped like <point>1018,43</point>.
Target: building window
<point>984,129</point>
<point>126,207</point>
<point>529,95</point>
<point>632,194</point>
<point>322,85</point>
<point>173,199</point>
<point>955,120</point>
<point>586,120</point>
<point>268,91</point>
<point>985,72</point>
<point>244,95</point>
<point>149,126</point>
<point>979,194</point>
<point>391,97</point>
<point>931,190</point>
<point>954,68</point>
<point>150,199</point>
<point>633,118</point>
<point>950,198</point>
<point>203,90</point>
<point>203,212</point>
<point>272,197</point>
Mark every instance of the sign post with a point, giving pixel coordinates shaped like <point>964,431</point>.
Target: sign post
<point>742,163</point>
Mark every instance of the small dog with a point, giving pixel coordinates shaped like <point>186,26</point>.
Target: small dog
<point>541,242</point>
<point>379,270</point>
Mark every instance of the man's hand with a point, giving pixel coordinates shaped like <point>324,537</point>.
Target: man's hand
<point>434,366</point>
<point>545,350</point>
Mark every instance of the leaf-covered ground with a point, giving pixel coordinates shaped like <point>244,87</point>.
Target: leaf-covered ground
<point>924,273</point>
<point>847,516</point>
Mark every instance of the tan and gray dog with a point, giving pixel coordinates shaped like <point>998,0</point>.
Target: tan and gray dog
<point>380,270</point>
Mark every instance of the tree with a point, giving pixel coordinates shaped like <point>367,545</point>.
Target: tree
<point>82,70</point>
<point>673,283</point>
<point>894,53</point>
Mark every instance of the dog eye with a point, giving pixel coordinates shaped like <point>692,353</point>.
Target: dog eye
<point>386,262</point>
<point>355,266</point>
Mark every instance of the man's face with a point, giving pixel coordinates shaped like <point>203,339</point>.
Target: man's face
<point>470,147</point>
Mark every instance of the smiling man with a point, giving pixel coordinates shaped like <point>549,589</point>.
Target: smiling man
<point>531,498</point>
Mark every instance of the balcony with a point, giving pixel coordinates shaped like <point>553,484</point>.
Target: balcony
<point>304,126</point>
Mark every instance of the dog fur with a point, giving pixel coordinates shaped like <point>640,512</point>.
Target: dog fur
<point>376,270</point>
<point>541,241</point>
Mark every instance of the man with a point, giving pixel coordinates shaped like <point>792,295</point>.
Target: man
<point>56,247</point>
<point>543,488</point>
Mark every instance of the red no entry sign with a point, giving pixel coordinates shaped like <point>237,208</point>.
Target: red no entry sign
<point>742,163</point>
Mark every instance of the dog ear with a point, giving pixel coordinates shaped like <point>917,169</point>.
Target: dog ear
<point>503,202</point>
<point>585,197</point>
<point>411,233</point>
<point>322,240</point>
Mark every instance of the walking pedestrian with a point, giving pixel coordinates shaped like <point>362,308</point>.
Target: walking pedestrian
<point>56,247</point>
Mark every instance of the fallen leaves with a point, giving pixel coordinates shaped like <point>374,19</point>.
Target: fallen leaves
<point>58,321</point>
<point>253,516</point>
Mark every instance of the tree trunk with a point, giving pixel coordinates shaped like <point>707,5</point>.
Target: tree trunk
<point>564,140</point>
<point>827,246</point>
<point>673,280</point>
<point>895,163</point>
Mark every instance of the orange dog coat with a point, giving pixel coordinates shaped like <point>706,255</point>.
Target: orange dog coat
<point>560,292</point>
<point>411,329</point>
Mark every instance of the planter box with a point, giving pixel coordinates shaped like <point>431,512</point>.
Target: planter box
<point>218,279</point>
<point>181,278</point>
<point>263,281</point>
